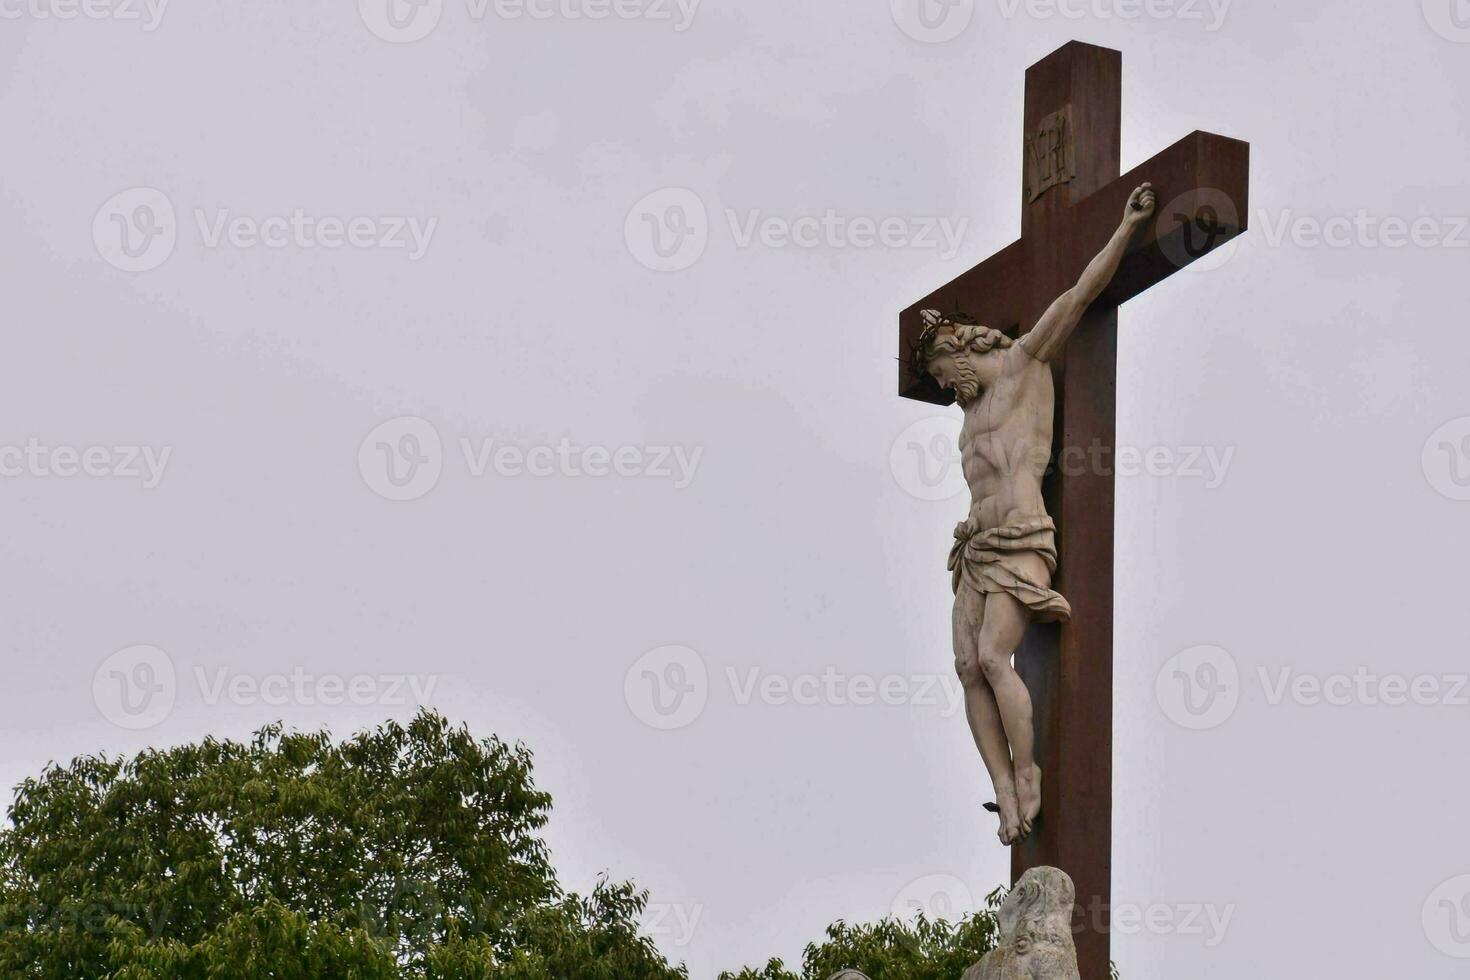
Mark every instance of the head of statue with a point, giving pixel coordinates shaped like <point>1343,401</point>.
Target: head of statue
<point>956,359</point>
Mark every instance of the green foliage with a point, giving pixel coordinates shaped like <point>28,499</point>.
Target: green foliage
<point>404,852</point>
<point>893,950</point>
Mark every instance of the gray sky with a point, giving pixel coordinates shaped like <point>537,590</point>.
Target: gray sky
<point>724,467</point>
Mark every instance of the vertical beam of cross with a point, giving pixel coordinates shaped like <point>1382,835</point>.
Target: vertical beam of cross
<point>1073,198</point>
<point>1069,671</point>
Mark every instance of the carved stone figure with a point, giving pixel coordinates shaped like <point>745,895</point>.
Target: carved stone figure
<point>1035,932</point>
<point>1005,550</point>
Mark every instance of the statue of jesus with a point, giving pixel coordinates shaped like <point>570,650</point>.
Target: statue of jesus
<point>1005,552</point>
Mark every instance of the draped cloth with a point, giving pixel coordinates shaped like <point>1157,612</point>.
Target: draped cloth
<point>986,561</point>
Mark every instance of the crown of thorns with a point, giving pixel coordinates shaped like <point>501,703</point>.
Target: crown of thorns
<point>934,321</point>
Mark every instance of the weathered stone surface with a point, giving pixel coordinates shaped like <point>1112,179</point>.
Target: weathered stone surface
<point>1035,932</point>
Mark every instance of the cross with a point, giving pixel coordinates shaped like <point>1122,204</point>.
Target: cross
<point>1072,195</point>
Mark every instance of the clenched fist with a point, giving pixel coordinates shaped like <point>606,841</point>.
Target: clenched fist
<point>1141,204</point>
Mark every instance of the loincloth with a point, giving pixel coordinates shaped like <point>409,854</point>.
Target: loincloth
<point>986,562</point>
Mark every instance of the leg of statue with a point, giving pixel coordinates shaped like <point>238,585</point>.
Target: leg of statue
<point>1003,625</point>
<point>982,712</point>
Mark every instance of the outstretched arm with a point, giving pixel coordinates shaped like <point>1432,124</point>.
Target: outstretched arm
<point>1045,340</point>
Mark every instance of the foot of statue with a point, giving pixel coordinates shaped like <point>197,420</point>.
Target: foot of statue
<point>1008,807</point>
<point>1028,788</point>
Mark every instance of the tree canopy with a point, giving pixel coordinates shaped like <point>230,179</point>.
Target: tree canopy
<point>402,853</point>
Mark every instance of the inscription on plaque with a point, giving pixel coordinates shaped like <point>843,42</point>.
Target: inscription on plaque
<point>1051,154</point>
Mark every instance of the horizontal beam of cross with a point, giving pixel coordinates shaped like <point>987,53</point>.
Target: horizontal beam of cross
<point>1203,187</point>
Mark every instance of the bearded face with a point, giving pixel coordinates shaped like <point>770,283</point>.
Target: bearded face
<point>948,353</point>
<point>966,383</point>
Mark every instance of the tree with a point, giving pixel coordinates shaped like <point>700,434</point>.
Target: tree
<point>893,950</point>
<point>404,852</point>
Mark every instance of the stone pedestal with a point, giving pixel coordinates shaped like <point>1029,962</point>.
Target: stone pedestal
<point>1035,932</point>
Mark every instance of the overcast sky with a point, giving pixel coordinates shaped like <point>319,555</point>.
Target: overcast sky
<point>345,371</point>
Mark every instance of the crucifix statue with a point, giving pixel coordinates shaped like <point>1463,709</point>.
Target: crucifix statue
<point>1026,343</point>
<point>1005,549</point>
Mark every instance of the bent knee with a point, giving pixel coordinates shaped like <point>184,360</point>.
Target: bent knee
<point>968,669</point>
<point>994,665</point>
